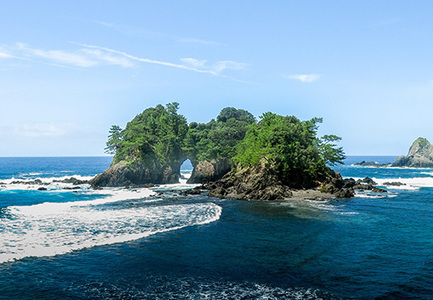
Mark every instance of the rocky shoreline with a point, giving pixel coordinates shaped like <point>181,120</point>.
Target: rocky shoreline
<point>260,182</point>
<point>255,186</point>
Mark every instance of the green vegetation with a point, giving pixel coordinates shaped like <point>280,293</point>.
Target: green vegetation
<point>218,138</point>
<point>157,133</point>
<point>291,146</point>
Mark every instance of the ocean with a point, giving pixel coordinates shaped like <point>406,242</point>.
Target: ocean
<point>70,242</point>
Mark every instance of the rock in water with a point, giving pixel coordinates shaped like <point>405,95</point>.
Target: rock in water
<point>420,155</point>
<point>137,173</point>
<point>261,182</point>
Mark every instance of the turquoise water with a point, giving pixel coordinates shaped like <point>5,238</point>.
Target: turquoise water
<point>177,247</point>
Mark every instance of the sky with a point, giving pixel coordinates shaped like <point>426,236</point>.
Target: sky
<point>71,69</point>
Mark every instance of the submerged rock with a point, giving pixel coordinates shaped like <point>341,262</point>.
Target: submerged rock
<point>195,191</point>
<point>394,183</point>
<point>420,155</point>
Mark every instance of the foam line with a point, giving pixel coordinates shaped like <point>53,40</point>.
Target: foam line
<point>57,228</point>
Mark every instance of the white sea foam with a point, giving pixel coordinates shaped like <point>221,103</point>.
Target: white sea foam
<point>414,183</point>
<point>56,228</point>
<point>409,183</point>
<point>50,183</point>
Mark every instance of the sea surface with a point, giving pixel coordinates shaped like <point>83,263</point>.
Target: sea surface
<point>70,242</point>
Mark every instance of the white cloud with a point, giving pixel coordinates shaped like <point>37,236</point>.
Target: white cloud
<point>83,58</point>
<point>90,56</point>
<point>305,77</point>
<point>141,32</point>
<point>198,63</point>
<point>190,64</point>
<point>197,41</point>
<point>39,130</point>
<point>216,68</point>
<point>108,58</point>
<point>63,57</point>
<point>5,55</point>
<point>229,65</point>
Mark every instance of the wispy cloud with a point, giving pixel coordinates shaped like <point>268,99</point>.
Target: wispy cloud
<point>305,77</point>
<point>216,68</point>
<point>106,57</point>
<point>5,55</point>
<point>39,130</point>
<point>140,32</point>
<point>190,64</point>
<point>58,56</point>
<point>196,41</point>
<point>88,56</point>
<point>82,58</point>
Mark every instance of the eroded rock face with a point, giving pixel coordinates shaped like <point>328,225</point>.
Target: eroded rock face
<point>258,182</point>
<point>206,171</point>
<point>420,155</point>
<point>136,174</point>
<point>261,182</point>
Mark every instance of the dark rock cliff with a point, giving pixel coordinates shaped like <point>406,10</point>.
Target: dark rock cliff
<point>206,171</point>
<point>136,174</point>
<point>261,182</point>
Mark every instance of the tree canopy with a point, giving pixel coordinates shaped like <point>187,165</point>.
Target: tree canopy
<point>218,138</point>
<point>157,132</point>
<point>290,145</point>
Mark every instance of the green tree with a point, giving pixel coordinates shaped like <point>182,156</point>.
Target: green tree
<point>157,133</point>
<point>115,139</point>
<point>291,147</point>
<point>330,152</point>
<point>218,138</point>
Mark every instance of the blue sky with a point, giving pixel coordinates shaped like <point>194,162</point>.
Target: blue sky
<point>71,69</point>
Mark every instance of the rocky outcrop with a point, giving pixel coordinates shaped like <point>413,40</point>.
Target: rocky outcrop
<point>362,184</point>
<point>261,182</point>
<point>206,171</point>
<point>138,173</point>
<point>337,186</point>
<point>420,155</point>
<point>370,164</point>
<point>394,183</point>
<point>257,182</point>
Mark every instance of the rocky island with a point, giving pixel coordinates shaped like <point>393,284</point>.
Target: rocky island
<point>234,156</point>
<point>153,146</point>
<point>420,155</point>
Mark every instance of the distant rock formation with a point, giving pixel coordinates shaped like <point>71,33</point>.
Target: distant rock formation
<point>420,155</point>
<point>370,164</point>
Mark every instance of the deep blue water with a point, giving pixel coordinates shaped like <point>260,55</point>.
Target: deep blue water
<point>371,246</point>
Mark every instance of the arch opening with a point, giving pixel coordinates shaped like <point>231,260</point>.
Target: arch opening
<point>186,169</point>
